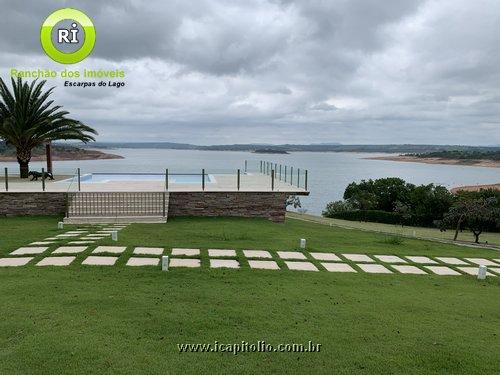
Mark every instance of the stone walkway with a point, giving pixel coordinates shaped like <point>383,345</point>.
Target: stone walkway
<point>58,251</point>
<point>79,246</point>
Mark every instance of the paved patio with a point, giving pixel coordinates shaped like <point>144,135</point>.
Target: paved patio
<point>251,182</point>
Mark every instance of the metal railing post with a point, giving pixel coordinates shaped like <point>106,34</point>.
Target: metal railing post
<point>166,179</point>
<point>261,166</point>
<point>285,172</point>
<point>298,177</point>
<point>272,179</point>
<point>6,179</point>
<point>163,204</point>
<point>43,179</point>
<point>79,182</point>
<point>305,182</point>
<point>291,175</point>
<point>280,172</point>
<point>203,179</point>
<point>238,180</point>
<point>246,165</point>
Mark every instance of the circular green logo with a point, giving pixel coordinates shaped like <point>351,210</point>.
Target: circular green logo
<point>67,36</point>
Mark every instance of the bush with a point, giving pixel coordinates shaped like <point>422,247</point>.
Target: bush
<point>371,215</point>
<point>337,207</point>
<point>393,240</point>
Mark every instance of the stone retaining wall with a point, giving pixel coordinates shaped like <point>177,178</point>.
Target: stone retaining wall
<point>269,205</point>
<point>30,204</point>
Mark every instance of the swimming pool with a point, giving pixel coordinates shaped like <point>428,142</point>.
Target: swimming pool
<point>93,178</point>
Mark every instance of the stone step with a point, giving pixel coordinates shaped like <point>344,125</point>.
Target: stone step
<point>116,219</point>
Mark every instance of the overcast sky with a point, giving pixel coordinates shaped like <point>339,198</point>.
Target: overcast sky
<point>218,72</point>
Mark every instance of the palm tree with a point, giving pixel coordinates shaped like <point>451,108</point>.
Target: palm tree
<point>28,119</point>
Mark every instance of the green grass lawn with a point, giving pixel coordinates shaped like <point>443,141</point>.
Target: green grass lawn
<point>121,319</point>
<point>465,236</point>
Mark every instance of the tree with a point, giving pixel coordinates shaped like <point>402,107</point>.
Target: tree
<point>337,207</point>
<point>380,194</point>
<point>28,119</point>
<point>477,215</point>
<point>429,203</point>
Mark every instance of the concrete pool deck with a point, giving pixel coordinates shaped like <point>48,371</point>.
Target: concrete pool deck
<point>251,182</point>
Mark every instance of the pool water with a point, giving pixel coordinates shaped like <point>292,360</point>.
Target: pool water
<point>92,178</point>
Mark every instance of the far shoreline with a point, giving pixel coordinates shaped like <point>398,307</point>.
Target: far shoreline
<point>460,162</point>
<point>81,154</point>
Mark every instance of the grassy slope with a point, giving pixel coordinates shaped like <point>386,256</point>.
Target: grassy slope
<point>465,236</point>
<point>129,320</point>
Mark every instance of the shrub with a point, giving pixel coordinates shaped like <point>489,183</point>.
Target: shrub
<point>337,207</point>
<point>393,240</point>
<point>370,215</point>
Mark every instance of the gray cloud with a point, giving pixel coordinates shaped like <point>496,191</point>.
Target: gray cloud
<point>353,71</point>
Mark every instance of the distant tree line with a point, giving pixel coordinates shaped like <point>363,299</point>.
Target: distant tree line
<point>395,201</point>
<point>460,155</point>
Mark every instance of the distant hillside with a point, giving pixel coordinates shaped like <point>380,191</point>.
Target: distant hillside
<point>59,152</point>
<point>461,155</point>
<point>404,148</point>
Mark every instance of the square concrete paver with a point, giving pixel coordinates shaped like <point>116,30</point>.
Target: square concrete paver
<point>51,239</point>
<point>421,259</point>
<point>301,266</point>
<point>359,258</point>
<point>390,259</point>
<point>185,252</point>
<point>181,262</point>
<point>326,256</point>
<point>14,262</point>
<point>494,269</point>
<point>221,253</point>
<point>453,261</point>
<point>409,269</point>
<point>291,255</point>
<point>264,264</point>
<point>374,268</point>
<point>64,235</point>
<point>56,261</point>
<point>473,271</point>
<point>148,250</point>
<point>442,270</point>
<point>69,249</point>
<point>29,250</point>
<point>136,261</point>
<point>109,249</point>
<point>100,261</point>
<point>224,263</point>
<point>482,261</point>
<point>42,243</point>
<point>338,267</point>
<point>80,242</point>
<point>257,254</point>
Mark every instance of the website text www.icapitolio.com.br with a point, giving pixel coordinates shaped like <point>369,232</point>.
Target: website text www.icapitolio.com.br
<point>246,347</point>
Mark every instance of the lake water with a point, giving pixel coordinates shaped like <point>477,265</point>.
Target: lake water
<point>329,173</point>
